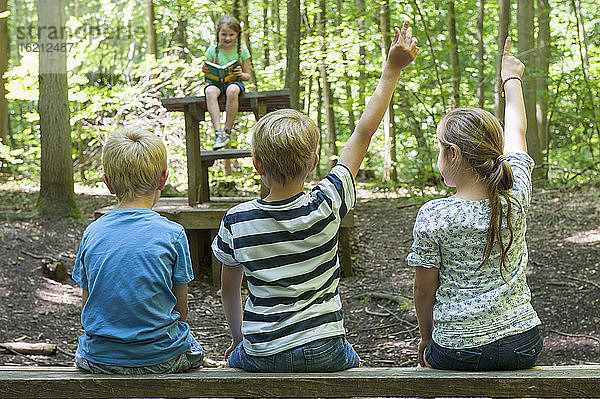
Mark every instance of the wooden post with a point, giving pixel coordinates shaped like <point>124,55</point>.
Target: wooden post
<point>194,167</point>
<point>215,263</point>
<point>344,251</point>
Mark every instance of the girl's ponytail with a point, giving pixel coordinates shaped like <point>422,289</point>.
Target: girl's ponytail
<point>480,138</point>
<point>499,181</point>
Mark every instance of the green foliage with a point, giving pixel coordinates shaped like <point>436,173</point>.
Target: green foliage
<point>113,82</point>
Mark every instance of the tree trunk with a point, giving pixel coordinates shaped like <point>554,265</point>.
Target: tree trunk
<point>454,63</point>
<point>347,77</point>
<point>57,197</point>
<point>432,50</point>
<point>327,95</point>
<point>480,56</point>
<point>525,23</point>
<point>543,65</point>
<point>266,49</point>
<point>276,20</point>
<point>389,150</point>
<point>152,49</point>
<point>503,24</point>
<point>4,54</point>
<point>319,123</point>
<point>292,75</point>
<point>246,38</point>
<point>362,54</point>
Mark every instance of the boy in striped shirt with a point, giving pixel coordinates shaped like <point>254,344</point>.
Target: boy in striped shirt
<point>286,244</point>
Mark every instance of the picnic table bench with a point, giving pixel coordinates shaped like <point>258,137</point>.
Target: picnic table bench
<point>69,382</point>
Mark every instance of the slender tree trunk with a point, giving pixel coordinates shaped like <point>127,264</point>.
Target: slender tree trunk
<point>454,62</point>
<point>389,152</point>
<point>276,20</point>
<point>327,95</point>
<point>4,54</point>
<point>319,123</point>
<point>246,32</point>
<point>347,78</point>
<point>433,56</point>
<point>362,53</point>
<point>266,49</point>
<point>57,197</point>
<point>583,51</point>
<point>525,23</point>
<point>503,24</point>
<point>480,56</point>
<point>543,65</point>
<point>292,75</point>
<point>152,49</point>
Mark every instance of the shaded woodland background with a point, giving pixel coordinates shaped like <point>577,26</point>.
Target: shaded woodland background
<point>117,59</point>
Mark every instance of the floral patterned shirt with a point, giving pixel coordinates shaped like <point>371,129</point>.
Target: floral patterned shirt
<point>475,307</point>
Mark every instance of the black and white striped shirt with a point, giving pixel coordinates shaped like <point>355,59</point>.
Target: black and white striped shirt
<point>289,252</point>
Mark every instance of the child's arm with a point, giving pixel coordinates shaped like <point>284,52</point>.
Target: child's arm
<point>243,71</point>
<point>515,119</point>
<point>85,294</point>
<point>231,296</point>
<point>180,291</point>
<point>402,52</point>
<point>425,286</point>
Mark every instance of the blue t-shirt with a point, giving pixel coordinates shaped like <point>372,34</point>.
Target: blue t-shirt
<point>129,260</point>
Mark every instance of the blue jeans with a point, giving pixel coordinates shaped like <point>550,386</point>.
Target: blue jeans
<point>322,355</point>
<point>190,359</point>
<point>515,352</point>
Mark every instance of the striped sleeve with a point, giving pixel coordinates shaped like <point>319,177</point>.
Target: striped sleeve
<point>339,187</point>
<point>222,245</point>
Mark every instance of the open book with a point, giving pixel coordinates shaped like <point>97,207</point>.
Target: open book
<point>220,73</point>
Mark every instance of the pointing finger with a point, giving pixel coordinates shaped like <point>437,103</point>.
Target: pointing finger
<point>507,46</point>
<point>404,28</point>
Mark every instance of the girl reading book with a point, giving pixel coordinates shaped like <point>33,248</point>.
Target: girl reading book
<point>227,49</point>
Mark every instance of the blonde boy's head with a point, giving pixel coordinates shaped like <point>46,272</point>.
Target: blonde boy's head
<point>285,141</point>
<point>134,161</point>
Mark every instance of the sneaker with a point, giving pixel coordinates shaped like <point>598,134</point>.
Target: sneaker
<point>221,139</point>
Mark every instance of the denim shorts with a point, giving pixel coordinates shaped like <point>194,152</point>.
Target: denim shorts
<point>223,86</point>
<point>190,359</point>
<point>515,352</point>
<point>322,355</point>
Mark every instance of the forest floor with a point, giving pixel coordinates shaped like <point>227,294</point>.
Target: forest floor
<point>564,276</point>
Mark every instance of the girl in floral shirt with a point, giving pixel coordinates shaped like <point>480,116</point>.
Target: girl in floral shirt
<point>471,296</point>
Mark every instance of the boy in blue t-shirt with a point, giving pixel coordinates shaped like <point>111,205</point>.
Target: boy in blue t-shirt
<point>286,244</point>
<point>134,267</point>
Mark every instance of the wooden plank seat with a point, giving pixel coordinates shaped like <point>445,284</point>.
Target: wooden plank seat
<point>202,222</point>
<point>257,102</point>
<point>69,382</point>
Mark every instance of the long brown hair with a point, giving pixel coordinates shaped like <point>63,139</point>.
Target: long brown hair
<point>229,22</point>
<point>480,139</point>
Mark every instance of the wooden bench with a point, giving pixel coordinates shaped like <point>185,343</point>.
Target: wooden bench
<point>202,222</point>
<point>68,382</point>
<point>194,110</point>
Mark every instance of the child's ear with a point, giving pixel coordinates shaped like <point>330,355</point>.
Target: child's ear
<point>107,184</point>
<point>163,180</point>
<point>258,165</point>
<point>454,153</point>
<point>315,163</point>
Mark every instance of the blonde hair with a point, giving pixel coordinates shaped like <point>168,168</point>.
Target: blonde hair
<point>480,140</point>
<point>285,141</point>
<point>134,161</point>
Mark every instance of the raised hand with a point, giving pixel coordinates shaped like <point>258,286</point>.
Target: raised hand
<point>511,66</point>
<point>404,47</point>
